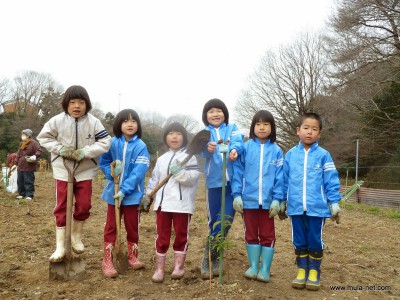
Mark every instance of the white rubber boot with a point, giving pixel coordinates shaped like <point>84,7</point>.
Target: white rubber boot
<point>59,254</point>
<point>76,243</point>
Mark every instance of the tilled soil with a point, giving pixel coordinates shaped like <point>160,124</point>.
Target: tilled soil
<point>361,259</point>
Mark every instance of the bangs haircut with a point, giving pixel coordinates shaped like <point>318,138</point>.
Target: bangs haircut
<point>215,103</point>
<point>176,127</point>
<point>75,92</point>
<point>263,116</point>
<point>310,115</point>
<point>123,115</point>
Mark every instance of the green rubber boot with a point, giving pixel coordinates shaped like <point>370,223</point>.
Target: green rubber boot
<point>253,254</point>
<point>267,254</point>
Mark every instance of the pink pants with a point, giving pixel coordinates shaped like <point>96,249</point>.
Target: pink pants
<point>131,221</point>
<point>83,201</point>
<point>164,221</point>
<point>259,228</point>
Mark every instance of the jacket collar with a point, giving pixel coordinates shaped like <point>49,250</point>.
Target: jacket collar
<point>210,127</point>
<point>312,148</point>
<point>257,141</point>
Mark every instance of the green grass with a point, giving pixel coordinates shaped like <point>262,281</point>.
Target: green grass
<point>373,210</point>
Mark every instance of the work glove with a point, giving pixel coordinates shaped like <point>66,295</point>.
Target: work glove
<point>282,210</point>
<point>223,148</point>
<point>175,167</point>
<point>66,153</point>
<point>335,211</point>
<point>274,208</point>
<point>31,159</point>
<point>238,204</point>
<point>78,155</point>
<point>118,167</point>
<point>144,205</point>
<point>120,195</point>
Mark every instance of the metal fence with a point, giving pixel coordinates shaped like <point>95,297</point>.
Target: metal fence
<point>376,197</point>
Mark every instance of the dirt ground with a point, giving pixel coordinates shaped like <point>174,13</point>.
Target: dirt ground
<point>362,257</point>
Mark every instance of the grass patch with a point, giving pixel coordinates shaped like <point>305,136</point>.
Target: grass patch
<point>372,210</point>
<point>394,215</point>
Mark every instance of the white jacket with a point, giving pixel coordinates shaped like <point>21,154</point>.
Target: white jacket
<point>85,133</point>
<point>179,193</point>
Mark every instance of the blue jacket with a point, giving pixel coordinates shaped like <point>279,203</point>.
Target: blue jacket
<point>258,174</point>
<point>311,181</point>
<point>213,161</point>
<point>136,160</point>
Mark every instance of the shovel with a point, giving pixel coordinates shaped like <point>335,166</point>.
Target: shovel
<point>195,146</point>
<point>119,254</point>
<point>71,267</point>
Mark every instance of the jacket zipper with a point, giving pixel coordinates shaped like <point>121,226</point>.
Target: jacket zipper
<point>162,194</point>
<point>305,180</point>
<point>260,175</point>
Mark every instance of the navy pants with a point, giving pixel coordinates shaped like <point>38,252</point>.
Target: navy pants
<point>214,209</point>
<point>307,232</point>
<point>26,183</point>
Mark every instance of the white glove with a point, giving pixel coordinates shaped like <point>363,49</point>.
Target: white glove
<point>238,204</point>
<point>335,211</point>
<point>274,208</point>
<point>31,158</point>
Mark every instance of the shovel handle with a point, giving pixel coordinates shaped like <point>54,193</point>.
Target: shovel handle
<point>117,205</point>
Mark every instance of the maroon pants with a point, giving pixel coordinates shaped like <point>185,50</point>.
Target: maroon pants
<point>259,228</point>
<point>83,201</point>
<point>164,221</point>
<point>131,221</point>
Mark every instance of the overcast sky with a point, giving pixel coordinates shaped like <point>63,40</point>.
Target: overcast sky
<point>167,56</point>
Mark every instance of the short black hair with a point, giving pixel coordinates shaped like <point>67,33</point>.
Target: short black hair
<point>264,116</point>
<point>76,92</point>
<point>177,127</point>
<point>121,117</point>
<point>215,103</point>
<point>310,115</point>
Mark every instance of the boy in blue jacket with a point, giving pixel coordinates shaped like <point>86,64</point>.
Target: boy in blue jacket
<point>312,185</point>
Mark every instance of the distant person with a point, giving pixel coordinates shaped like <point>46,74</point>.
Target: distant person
<point>11,158</point>
<point>132,162</point>
<point>258,190</point>
<point>76,136</point>
<point>175,201</point>
<point>216,119</point>
<point>26,161</point>
<point>312,185</point>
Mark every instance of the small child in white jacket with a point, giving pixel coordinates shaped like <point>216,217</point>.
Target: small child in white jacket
<point>175,201</point>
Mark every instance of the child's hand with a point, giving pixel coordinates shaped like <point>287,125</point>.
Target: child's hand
<point>175,167</point>
<point>118,167</point>
<point>335,211</point>
<point>233,155</point>
<point>238,204</point>
<point>145,203</point>
<point>223,148</point>
<point>78,155</point>
<point>211,147</point>
<point>66,153</point>
<point>274,208</point>
<point>120,195</point>
<point>282,210</point>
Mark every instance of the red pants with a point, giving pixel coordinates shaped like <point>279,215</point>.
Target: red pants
<point>259,228</point>
<point>83,201</point>
<point>164,221</point>
<point>131,221</point>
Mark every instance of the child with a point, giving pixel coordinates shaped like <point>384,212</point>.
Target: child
<point>257,188</point>
<point>175,201</point>
<point>132,162</point>
<point>26,160</point>
<point>312,183</point>
<point>216,119</point>
<point>77,136</point>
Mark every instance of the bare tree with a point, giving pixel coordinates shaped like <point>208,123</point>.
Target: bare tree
<point>4,89</point>
<point>363,33</point>
<point>29,88</point>
<point>287,83</point>
<point>191,125</point>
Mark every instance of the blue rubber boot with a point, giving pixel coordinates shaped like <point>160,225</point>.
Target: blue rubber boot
<point>314,265</point>
<point>253,254</point>
<point>302,272</point>
<point>267,254</point>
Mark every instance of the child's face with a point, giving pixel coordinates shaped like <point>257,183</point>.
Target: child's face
<point>76,108</point>
<point>129,128</point>
<point>309,132</point>
<point>262,130</point>
<point>174,140</point>
<point>215,117</point>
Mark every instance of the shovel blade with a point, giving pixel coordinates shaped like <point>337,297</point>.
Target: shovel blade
<point>68,269</point>
<point>120,259</point>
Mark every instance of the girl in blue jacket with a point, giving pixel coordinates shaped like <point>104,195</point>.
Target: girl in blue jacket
<point>216,119</point>
<point>132,162</point>
<point>257,188</point>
